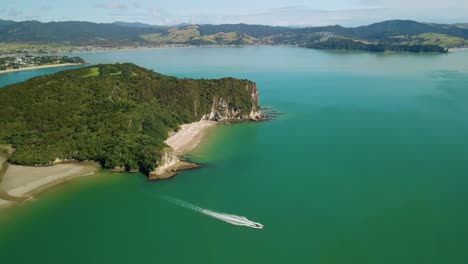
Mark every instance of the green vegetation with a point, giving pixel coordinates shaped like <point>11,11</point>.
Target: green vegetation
<point>174,35</point>
<point>93,72</point>
<point>5,150</point>
<point>118,115</point>
<point>349,44</point>
<point>464,26</point>
<point>231,38</point>
<point>72,32</point>
<point>432,39</point>
<point>191,35</point>
<point>405,34</point>
<point>439,39</point>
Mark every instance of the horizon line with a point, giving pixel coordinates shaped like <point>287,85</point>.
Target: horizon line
<point>218,24</point>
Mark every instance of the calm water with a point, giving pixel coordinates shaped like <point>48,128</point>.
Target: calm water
<point>369,164</point>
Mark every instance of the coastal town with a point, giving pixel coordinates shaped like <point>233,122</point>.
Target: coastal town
<point>18,49</point>
<point>18,62</point>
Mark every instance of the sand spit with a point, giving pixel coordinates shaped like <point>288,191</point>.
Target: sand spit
<point>20,183</point>
<point>39,67</point>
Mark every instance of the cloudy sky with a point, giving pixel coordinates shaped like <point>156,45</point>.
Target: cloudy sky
<point>270,12</point>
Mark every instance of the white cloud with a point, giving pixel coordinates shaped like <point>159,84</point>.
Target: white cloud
<point>303,16</point>
<point>376,11</point>
<point>408,4</point>
<point>11,12</point>
<point>45,8</point>
<point>152,15</point>
<point>136,4</point>
<point>112,5</point>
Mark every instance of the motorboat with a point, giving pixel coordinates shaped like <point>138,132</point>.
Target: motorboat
<point>256,225</point>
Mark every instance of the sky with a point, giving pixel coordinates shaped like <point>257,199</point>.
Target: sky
<point>267,12</point>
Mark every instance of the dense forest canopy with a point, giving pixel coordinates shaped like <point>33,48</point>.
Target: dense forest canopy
<point>116,114</point>
<point>72,32</point>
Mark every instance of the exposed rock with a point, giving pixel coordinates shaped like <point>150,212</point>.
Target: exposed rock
<point>172,170</point>
<point>168,160</point>
<point>118,169</point>
<point>167,165</point>
<point>221,112</point>
<point>62,161</point>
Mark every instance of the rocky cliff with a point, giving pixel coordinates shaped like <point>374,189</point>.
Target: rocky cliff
<point>116,114</point>
<point>223,109</point>
<point>168,160</point>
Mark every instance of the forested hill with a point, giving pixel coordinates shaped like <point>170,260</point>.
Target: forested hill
<point>116,114</point>
<point>404,32</point>
<point>71,32</point>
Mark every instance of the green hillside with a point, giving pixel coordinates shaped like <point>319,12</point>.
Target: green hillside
<point>191,35</point>
<point>116,114</point>
<point>71,32</point>
<point>434,39</point>
<point>349,44</point>
<point>397,32</point>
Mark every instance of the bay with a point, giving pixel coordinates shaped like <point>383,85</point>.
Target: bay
<point>368,164</point>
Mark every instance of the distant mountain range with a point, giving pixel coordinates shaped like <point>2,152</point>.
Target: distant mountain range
<point>135,24</point>
<point>395,32</point>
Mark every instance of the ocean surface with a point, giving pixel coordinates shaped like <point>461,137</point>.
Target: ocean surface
<point>368,164</point>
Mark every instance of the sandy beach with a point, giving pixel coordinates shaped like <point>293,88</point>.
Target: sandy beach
<point>182,142</point>
<point>20,183</point>
<point>189,136</point>
<point>457,49</point>
<point>5,203</point>
<point>39,67</point>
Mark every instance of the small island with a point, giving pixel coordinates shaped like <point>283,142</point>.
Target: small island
<point>30,62</point>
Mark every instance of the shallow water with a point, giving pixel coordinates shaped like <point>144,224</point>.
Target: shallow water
<point>368,164</point>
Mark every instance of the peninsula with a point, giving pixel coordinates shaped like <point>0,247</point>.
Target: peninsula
<point>118,115</point>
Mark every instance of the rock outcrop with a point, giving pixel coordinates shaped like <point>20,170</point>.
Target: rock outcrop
<point>169,165</point>
<point>221,111</point>
<point>168,159</point>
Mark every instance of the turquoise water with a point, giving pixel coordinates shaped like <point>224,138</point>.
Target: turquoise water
<point>368,164</point>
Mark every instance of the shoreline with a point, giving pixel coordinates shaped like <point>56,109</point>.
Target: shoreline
<point>117,50</point>
<point>151,48</point>
<point>181,143</point>
<point>189,136</point>
<point>456,49</point>
<point>39,67</point>
<point>21,183</point>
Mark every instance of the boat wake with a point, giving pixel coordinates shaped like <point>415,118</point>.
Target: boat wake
<point>228,218</point>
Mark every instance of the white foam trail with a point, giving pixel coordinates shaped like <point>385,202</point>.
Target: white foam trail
<point>228,218</point>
